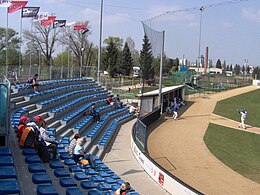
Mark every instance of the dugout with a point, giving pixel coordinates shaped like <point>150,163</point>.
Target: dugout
<point>150,100</point>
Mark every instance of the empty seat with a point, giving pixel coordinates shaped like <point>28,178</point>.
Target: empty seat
<point>36,168</point>
<point>61,172</point>
<point>103,186</point>
<point>68,182</point>
<point>5,151</point>
<point>29,151</point>
<point>75,169</point>
<point>41,178</point>
<point>6,161</point>
<point>69,162</point>
<point>7,173</point>
<point>80,176</point>
<point>32,159</point>
<point>109,180</point>
<point>64,156</point>
<point>56,164</point>
<point>9,187</point>
<point>46,190</point>
<point>94,192</point>
<point>96,178</point>
<point>74,191</point>
<point>88,185</point>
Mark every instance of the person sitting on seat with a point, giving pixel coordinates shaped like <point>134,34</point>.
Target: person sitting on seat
<point>73,143</point>
<point>124,189</point>
<point>21,126</point>
<point>110,100</point>
<point>35,83</point>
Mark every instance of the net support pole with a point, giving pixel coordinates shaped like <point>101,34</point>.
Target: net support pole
<point>6,39</point>
<point>160,81</point>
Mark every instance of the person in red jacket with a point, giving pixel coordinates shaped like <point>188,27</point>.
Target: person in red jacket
<point>22,125</point>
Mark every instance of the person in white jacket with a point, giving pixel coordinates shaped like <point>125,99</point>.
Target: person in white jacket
<point>243,118</point>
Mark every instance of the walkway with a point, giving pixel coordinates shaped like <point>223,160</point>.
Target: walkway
<point>181,143</point>
<point>122,161</point>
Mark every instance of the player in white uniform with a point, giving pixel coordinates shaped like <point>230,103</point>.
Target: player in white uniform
<point>243,118</point>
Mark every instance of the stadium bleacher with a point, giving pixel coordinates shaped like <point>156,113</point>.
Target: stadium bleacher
<point>62,104</point>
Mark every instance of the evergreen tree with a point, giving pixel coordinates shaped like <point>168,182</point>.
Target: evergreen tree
<point>127,61</point>
<point>247,70</point>
<point>110,59</point>
<point>227,68</point>
<point>243,69</point>
<point>231,67</point>
<point>218,64</point>
<point>146,60</point>
<point>237,69</point>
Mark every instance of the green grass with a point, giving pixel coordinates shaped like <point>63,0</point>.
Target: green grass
<point>250,101</point>
<point>237,149</point>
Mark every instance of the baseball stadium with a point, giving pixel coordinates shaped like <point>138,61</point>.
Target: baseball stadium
<point>94,120</point>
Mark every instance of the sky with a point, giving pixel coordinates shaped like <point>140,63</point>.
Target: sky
<point>230,31</point>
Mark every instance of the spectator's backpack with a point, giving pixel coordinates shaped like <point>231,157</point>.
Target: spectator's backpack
<point>28,137</point>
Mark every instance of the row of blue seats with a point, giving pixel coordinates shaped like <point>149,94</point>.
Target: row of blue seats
<point>72,102</point>
<point>81,109</point>
<point>22,87</point>
<point>99,181</point>
<point>106,137</point>
<point>49,101</point>
<point>15,119</point>
<point>88,118</point>
<point>94,131</point>
<point>53,90</point>
<point>8,178</point>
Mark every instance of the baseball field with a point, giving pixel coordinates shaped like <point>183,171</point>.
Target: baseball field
<point>226,162</point>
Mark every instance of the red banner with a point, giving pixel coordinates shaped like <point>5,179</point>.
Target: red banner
<point>49,21</point>
<point>80,27</point>
<point>17,5</point>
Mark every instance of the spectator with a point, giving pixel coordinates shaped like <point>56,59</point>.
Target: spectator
<point>118,104</point>
<point>132,109</point>
<point>21,126</point>
<point>40,144</point>
<point>95,113</point>
<point>73,144</point>
<point>124,189</point>
<point>110,100</point>
<point>78,151</point>
<point>51,143</point>
<point>117,98</point>
<point>35,83</point>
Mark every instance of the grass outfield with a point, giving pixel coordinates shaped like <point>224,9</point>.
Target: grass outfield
<point>237,149</point>
<point>250,101</point>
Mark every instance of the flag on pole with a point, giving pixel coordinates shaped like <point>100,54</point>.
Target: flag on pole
<point>49,21</point>
<point>80,27</point>
<point>42,16</point>
<point>29,12</point>
<point>5,3</point>
<point>59,23</point>
<point>17,5</point>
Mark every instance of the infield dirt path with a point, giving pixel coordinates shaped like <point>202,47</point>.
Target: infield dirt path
<point>178,146</point>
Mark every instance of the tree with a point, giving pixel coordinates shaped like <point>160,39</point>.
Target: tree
<point>256,73</point>
<point>146,60</point>
<point>127,61</point>
<point>247,70</point>
<point>237,69</point>
<point>110,59</point>
<point>12,39</point>
<point>218,64</point>
<point>210,63</point>
<point>243,69</point>
<point>118,42</point>
<point>224,66</point>
<point>231,67</point>
<point>44,37</point>
<point>227,68</point>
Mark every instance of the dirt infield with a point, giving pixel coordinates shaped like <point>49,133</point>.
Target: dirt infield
<point>178,146</point>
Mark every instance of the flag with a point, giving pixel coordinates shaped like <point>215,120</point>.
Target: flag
<point>42,16</point>
<point>17,5</point>
<point>70,23</point>
<point>85,31</point>
<point>80,27</point>
<point>28,12</point>
<point>59,23</point>
<point>5,3</point>
<point>49,21</point>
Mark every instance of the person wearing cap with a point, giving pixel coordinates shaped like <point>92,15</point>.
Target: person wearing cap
<point>243,118</point>
<point>124,189</point>
<point>51,143</point>
<point>21,126</point>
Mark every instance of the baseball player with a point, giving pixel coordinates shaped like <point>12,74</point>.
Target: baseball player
<point>243,118</point>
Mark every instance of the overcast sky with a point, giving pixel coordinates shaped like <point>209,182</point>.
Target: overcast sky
<point>232,32</point>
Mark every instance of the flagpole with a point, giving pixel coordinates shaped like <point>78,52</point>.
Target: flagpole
<point>20,54</point>
<point>6,38</point>
<point>30,55</point>
<point>100,41</point>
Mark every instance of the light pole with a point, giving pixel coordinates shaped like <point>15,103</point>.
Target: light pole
<point>199,57</point>
<point>100,40</point>
<point>81,61</point>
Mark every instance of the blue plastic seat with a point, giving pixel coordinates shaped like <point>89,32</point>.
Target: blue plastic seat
<point>5,151</point>
<point>103,186</point>
<point>69,162</point>
<point>64,156</point>
<point>6,161</point>
<point>104,174</point>
<point>9,187</point>
<point>68,182</point>
<point>29,151</point>
<point>7,172</point>
<point>61,172</point>
<point>32,159</point>
<point>96,178</point>
<point>114,187</point>
<point>56,164</point>
<point>91,172</point>
<point>74,191</point>
<point>36,168</point>
<point>46,190</point>
<point>75,168</point>
<point>94,192</point>
<point>115,176</point>
<point>41,178</point>
<point>109,180</point>
<point>88,185</point>
<point>80,176</point>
